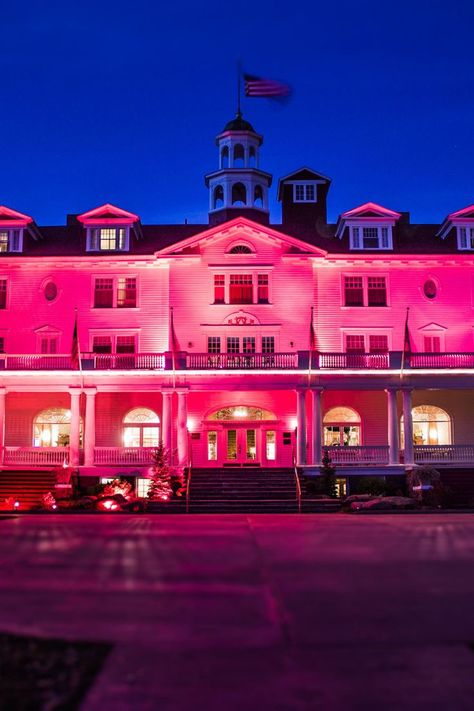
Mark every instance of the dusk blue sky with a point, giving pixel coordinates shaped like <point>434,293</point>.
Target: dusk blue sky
<point>121,102</point>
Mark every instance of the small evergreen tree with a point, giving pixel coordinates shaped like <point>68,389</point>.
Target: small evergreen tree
<point>160,484</point>
<point>328,475</point>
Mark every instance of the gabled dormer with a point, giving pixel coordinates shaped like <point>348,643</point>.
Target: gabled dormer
<point>13,226</point>
<point>369,227</point>
<point>462,224</point>
<point>303,196</point>
<point>108,228</point>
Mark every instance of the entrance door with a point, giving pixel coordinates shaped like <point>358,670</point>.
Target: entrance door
<point>241,445</point>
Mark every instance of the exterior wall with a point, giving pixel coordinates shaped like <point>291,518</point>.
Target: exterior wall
<point>111,409</point>
<point>22,408</point>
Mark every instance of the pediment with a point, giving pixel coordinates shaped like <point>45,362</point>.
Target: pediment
<point>107,214</point>
<point>467,213</point>
<point>370,209</point>
<point>236,229</point>
<point>432,327</point>
<point>12,218</point>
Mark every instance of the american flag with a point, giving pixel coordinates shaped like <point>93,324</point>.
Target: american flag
<point>75,346</point>
<point>312,333</point>
<point>266,88</point>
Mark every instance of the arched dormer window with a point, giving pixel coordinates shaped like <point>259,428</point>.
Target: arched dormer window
<point>225,157</point>
<point>239,194</point>
<point>258,196</point>
<point>218,199</point>
<point>239,156</point>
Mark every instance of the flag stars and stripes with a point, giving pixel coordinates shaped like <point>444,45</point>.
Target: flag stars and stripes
<point>257,86</point>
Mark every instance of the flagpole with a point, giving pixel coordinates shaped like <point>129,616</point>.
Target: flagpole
<point>239,75</point>
<point>310,346</point>
<point>79,359</point>
<point>173,349</point>
<point>405,340</point>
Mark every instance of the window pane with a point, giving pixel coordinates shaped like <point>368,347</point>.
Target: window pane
<point>370,237</point>
<point>376,291</point>
<point>219,288</point>
<point>262,296</point>
<point>249,344</point>
<point>107,238</point>
<point>233,345</point>
<point>353,291</point>
<point>355,344</point>
<point>103,293</point>
<point>3,241</point>
<point>378,344</point>
<point>126,292</point>
<point>268,344</point>
<point>212,446</point>
<point>251,445</point>
<point>125,344</point>
<point>241,289</point>
<point>213,344</point>
<point>270,445</point>
<point>102,344</point>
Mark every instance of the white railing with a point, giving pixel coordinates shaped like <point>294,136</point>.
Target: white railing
<point>358,455</point>
<point>443,454</point>
<point>356,361</point>
<point>38,456</point>
<point>123,455</point>
<point>238,361</point>
<point>89,361</point>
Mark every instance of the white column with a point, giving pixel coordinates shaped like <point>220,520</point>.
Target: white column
<point>301,427</point>
<point>89,431</point>
<point>75,427</point>
<point>408,427</point>
<point>2,422</point>
<point>393,452</point>
<point>182,428</point>
<point>317,426</point>
<point>166,421</point>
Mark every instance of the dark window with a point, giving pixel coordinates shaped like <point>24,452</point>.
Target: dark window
<point>248,344</point>
<point>268,344</point>
<point>429,289</point>
<point>219,289</point>
<point>240,249</point>
<point>355,344</point>
<point>102,344</point>
<point>3,293</point>
<point>50,291</point>
<point>376,291</point>
<point>104,293</point>
<point>370,237</point>
<point>233,345</point>
<point>378,344</point>
<point>353,291</point>
<point>2,345</point>
<point>286,437</point>
<point>262,296</point>
<point>125,344</point>
<point>241,289</point>
<point>213,344</point>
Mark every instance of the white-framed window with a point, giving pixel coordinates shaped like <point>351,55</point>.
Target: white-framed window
<point>304,191</point>
<point>108,239</point>
<point>247,343</point>
<point>115,292</point>
<point>363,341</point>
<point>370,237</point>
<point>243,287</point>
<point>11,240</point>
<point>465,237</point>
<point>110,342</point>
<point>365,290</point>
<point>432,338</point>
<point>141,428</point>
<point>143,486</point>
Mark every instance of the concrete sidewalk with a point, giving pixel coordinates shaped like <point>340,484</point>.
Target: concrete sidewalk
<point>253,612</point>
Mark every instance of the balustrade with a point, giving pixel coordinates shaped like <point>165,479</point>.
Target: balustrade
<point>37,456</point>
<point>123,455</point>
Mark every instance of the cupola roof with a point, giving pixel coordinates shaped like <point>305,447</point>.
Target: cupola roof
<point>238,124</point>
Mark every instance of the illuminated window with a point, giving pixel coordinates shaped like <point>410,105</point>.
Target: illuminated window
<point>431,426</point>
<point>304,192</point>
<point>143,485</point>
<point>373,237</point>
<point>141,428</point>
<point>52,427</point>
<point>115,292</point>
<point>212,446</point>
<point>11,240</point>
<point>126,292</point>
<point>341,428</point>
<point>242,412</point>
<point>107,239</point>
<point>270,445</point>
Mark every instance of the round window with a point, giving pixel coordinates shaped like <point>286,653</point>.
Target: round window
<point>50,291</point>
<point>430,289</point>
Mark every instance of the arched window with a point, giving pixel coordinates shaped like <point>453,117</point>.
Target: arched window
<point>341,427</point>
<point>242,412</point>
<point>225,157</point>
<point>431,425</point>
<point>239,194</point>
<point>239,155</point>
<point>258,196</point>
<point>141,428</point>
<point>252,157</point>
<point>218,199</point>
<point>240,249</point>
<point>52,428</point>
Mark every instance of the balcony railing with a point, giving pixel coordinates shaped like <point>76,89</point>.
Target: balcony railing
<point>299,360</point>
<point>444,454</point>
<point>123,456</point>
<point>238,361</point>
<point>358,455</point>
<point>36,456</point>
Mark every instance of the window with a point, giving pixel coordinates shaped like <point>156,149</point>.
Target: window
<point>248,344</point>
<point>50,291</point>
<point>213,344</point>
<point>51,428</point>
<point>355,344</point>
<point>365,291</point>
<point>241,289</point>
<point>2,344</point>
<point>233,344</point>
<point>373,237</point>
<point>212,446</point>
<point>341,428</point>
<point>3,293</point>
<point>102,344</point>
<point>219,288</point>
<point>270,445</point>
<point>125,344</point>
<point>366,343</point>
<point>262,289</point>
<point>431,426</point>
<point>430,289</point>
<point>432,344</point>
<point>11,240</point>
<point>304,192</point>
<point>268,344</point>
<point>143,486</point>
<point>466,237</point>
<point>141,428</point>
<point>48,344</point>
<point>106,239</point>
<point>378,344</point>
<point>119,292</point>
<point>240,249</point>
<point>112,343</point>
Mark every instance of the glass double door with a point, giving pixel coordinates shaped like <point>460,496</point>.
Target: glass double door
<point>241,445</point>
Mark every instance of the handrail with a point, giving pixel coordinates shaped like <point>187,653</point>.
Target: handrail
<point>188,482</point>
<point>298,485</point>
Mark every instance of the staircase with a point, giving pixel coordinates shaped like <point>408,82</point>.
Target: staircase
<point>243,490</point>
<point>27,487</point>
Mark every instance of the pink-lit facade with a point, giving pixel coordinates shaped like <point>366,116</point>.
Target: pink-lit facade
<point>238,343</point>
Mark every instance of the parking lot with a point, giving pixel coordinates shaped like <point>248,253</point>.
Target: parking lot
<point>252,612</point>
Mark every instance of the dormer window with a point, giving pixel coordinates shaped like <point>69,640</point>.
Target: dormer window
<point>107,239</point>
<point>304,192</point>
<point>465,237</point>
<point>373,237</point>
<point>11,240</point>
